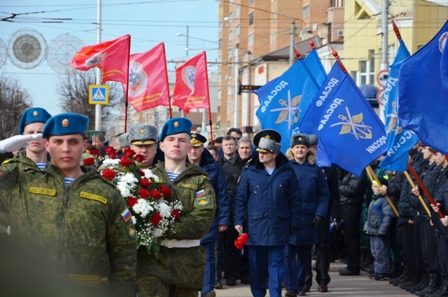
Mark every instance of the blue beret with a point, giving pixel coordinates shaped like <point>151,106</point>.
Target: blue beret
<point>33,115</point>
<point>66,123</point>
<point>175,126</point>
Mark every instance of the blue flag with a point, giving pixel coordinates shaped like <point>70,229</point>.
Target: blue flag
<point>423,98</point>
<point>264,90</point>
<point>279,109</point>
<point>316,78</point>
<point>349,131</point>
<point>399,141</point>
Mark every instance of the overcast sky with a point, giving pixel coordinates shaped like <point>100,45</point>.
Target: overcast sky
<point>148,22</point>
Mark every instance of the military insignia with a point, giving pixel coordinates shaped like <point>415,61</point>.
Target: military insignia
<point>130,229</point>
<point>300,138</point>
<point>202,202</point>
<point>290,111</point>
<point>142,131</point>
<point>354,125</point>
<point>43,191</point>
<point>126,214</point>
<point>193,135</point>
<point>35,113</point>
<point>65,123</point>
<point>93,197</point>
<point>138,79</point>
<point>188,76</point>
<point>200,193</point>
<point>95,59</point>
<point>6,162</point>
<point>176,124</point>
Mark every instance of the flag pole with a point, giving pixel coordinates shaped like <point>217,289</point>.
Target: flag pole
<point>126,103</point>
<point>375,178</point>
<point>422,186</point>
<point>168,87</point>
<point>312,46</point>
<point>209,105</point>
<point>368,168</point>
<point>396,30</point>
<point>411,182</point>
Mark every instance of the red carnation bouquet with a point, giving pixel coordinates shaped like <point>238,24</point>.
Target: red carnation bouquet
<point>241,240</point>
<point>152,214</point>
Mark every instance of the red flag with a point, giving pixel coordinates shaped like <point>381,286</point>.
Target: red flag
<point>111,57</point>
<point>191,87</point>
<point>148,79</point>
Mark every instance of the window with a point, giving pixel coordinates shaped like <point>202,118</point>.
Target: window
<point>229,90</point>
<point>230,16</point>
<point>367,70</point>
<point>229,71</point>
<point>230,54</point>
<point>250,39</point>
<point>219,96</point>
<point>219,80</point>
<point>220,27</point>
<point>273,37</point>
<point>273,16</point>
<point>230,35</point>
<point>306,11</point>
<point>251,18</point>
<point>229,107</point>
<point>219,110</point>
<point>251,1</point>
<point>220,43</point>
<point>337,3</point>
<point>237,30</point>
<point>237,11</point>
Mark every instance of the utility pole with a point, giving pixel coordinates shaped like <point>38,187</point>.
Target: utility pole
<point>384,46</point>
<point>235,94</point>
<point>292,42</point>
<point>98,71</point>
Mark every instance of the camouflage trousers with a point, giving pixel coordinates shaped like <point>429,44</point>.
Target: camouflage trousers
<point>177,272</point>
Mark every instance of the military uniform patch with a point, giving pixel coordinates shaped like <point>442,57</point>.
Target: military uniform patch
<point>126,215</point>
<point>43,191</point>
<point>202,202</point>
<point>93,197</point>
<point>130,229</point>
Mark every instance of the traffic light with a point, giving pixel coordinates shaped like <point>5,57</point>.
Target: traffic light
<point>247,88</point>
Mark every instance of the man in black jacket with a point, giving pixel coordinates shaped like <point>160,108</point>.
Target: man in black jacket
<point>351,190</point>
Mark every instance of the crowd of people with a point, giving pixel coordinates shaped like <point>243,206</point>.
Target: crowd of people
<point>291,210</point>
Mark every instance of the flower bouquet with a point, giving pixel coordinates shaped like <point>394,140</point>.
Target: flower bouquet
<point>241,240</point>
<point>152,215</point>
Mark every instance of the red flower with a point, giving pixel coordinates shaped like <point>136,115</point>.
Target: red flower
<point>125,162</point>
<point>144,193</point>
<point>144,183</point>
<point>156,218</point>
<point>94,153</point>
<point>140,172</point>
<point>176,214</point>
<point>111,152</point>
<point>165,191</point>
<point>109,174</point>
<point>139,158</point>
<point>156,194</point>
<point>132,201</point>
<point>239,245</point>
<point>89,161</point>
<point>129,152</point>
<point>241,241</point>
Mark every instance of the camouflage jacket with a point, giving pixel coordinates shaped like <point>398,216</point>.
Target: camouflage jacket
<point>21,161</point>
<point>198,212</point>
<point>83,229</point>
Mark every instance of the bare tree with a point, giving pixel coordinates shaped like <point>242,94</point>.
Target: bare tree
<point>14,100</point>
<point>73,91</point>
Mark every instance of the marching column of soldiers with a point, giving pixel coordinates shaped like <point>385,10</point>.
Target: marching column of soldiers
<point>67,230</point>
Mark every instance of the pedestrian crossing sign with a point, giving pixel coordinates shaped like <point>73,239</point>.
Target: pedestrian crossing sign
<point>98,94</point>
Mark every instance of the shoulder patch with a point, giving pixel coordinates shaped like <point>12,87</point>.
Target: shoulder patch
<point>93,197</point>
<point>202,202</point>
<point>6,161</point>
<point>43,191</point>
<point>126,214</point>
<point>130,229</point>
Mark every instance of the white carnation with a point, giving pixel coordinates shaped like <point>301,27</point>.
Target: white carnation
<point>164,209</point>
<point>111,162</point>
<point>149,175</point>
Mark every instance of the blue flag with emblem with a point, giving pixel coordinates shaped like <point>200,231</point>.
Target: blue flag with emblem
<point>399,141</point>
<point>264,90</point>
<point>423,92</point>
<point>279,109</point>
<point>349,131</point>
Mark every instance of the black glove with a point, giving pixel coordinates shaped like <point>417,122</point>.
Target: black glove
<point>317,220</point>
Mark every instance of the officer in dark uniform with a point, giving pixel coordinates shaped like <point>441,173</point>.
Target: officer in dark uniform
<point>267,200</point>
<point>314,208</point>
<point>204,159</point>
<point>143,140</point>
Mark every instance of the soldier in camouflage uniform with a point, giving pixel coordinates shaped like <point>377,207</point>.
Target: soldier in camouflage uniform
<point>76,220</point>
<point>178,271</point>
<point>35,155</point>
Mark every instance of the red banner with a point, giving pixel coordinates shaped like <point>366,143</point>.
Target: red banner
<point>148,79</point>
<point>110,56</point>
<point>191,87</point>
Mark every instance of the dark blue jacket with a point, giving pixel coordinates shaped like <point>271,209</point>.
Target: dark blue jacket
<point>222,215</point>
<point>379,219</point>
<point>315,200</point>
<point>268,203</point>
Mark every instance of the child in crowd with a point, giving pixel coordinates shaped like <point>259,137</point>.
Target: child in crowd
<point>378,224</point>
